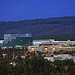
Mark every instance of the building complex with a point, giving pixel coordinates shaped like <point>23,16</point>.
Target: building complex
<point>43,45</point>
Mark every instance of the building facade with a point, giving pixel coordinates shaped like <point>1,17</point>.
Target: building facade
<point>13,40</point>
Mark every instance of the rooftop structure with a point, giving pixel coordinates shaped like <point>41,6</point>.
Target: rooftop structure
<point>49,43</point>
<point>38,42</point>
<point>68,42</point>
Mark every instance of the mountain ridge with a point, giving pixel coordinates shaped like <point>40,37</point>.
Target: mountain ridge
<point>40,27</point>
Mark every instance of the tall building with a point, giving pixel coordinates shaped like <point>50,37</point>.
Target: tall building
<point>12,40</point>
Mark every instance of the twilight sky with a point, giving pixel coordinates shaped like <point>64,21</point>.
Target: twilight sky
<point>13,10</point>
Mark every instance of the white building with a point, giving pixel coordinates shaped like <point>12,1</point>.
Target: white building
<point>68,42</point>
<point>38,42</point>
<point>1,42</point>
<point>60,57</point>
<point>63,56</point>
<point>73,58</point>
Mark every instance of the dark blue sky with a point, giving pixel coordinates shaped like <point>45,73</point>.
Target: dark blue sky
<point>11,10</point>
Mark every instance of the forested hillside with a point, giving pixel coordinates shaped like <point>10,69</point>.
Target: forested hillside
<point>40,27</point>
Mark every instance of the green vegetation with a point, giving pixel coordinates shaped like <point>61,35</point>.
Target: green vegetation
<point>36,66</point>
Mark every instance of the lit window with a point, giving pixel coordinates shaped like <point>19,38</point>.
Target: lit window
<point>48,58</point>
<point>11,63</point>
<point>45,48</point>
<point>32,49</point>
<point>53,49</point>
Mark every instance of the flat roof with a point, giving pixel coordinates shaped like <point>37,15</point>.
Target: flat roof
<point>50,43</point>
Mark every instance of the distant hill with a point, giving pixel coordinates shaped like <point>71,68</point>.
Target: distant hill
<point>40,27</point>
